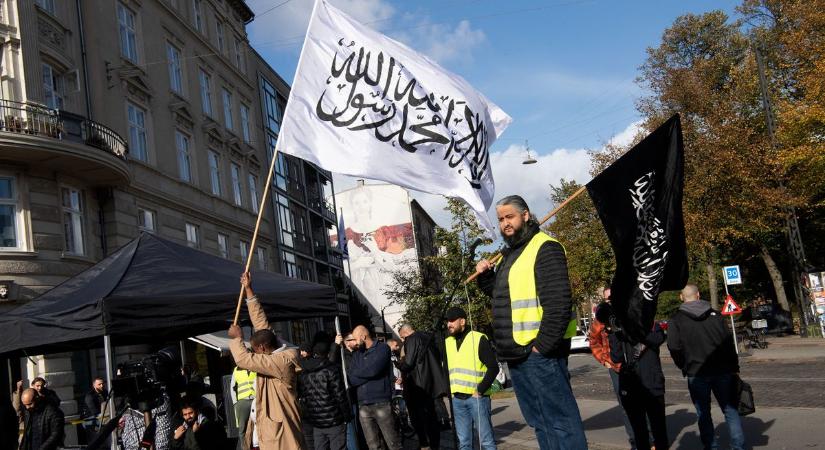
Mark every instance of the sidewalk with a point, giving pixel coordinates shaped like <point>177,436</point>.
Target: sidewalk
<point>774,428</point>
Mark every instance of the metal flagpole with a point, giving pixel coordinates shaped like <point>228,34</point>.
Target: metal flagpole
<point>343,362</point>
<point>107,348</point>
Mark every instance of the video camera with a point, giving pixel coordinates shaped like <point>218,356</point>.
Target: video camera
<point>142,382</point>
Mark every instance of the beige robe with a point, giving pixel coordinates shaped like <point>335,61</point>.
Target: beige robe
<point>276,400</point>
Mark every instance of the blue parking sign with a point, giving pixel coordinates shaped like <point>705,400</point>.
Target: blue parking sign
<point>732,275</point>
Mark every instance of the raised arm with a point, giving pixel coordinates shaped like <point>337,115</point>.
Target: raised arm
<point>256,311</point>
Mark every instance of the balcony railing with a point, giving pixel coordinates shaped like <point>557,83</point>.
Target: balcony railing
<point>328,211</point>
<point>302,244</point>
<point>38,120</point>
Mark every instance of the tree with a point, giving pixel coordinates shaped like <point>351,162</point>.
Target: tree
<point>423,301</point>
<point>705,69</point>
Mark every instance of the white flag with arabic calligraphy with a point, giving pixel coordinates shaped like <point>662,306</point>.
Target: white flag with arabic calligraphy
<point>365,105</point>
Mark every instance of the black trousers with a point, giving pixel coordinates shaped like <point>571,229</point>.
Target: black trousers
<point>641,407</point>
<point>332,438</point>
<point>421,408</point>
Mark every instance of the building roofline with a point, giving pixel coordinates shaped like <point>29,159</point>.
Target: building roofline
<point>243,9</point>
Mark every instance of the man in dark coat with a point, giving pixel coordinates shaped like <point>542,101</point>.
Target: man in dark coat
<point>198,432</point>
<point>424,383</point>
<point>703,347</point>
<point>533,322</point>
<point>42,422</point>
<point>323,399</point>
<point>92,406</point>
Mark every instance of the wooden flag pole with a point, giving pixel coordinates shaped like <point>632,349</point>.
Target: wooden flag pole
<point>257,227</point>
<point>495,259</point>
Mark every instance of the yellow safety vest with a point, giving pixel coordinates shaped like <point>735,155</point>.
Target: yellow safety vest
<point>466,370</point>
<point>524,300</point>
<point>244,383</point>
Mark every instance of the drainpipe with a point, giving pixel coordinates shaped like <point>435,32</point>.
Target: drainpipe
<point>103,194</point>
<point>85,65</point>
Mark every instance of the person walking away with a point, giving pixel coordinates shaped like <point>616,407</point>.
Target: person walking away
<point>473,368</point>
<point>323,399</point>
<point>533,322</point>
<point>425,383</point>
<point>198,432</point>
<point>703,347</point>
<point>42,422</point>
<point>277,420</point>
<point>371,374</point>
<point>243,394</point>
<point>600,349</point>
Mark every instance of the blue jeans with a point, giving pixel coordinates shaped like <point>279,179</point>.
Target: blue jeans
<point>471,412</point>
<point>546,400</point>
<point>722,388</point>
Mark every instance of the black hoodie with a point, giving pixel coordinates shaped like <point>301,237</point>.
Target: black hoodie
<point>700,342</point>
<point>321,393</point>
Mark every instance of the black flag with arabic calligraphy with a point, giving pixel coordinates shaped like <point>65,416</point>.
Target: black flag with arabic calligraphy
<point>639,201</point>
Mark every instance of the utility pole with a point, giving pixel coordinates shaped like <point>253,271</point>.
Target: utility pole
<point>794,236</point>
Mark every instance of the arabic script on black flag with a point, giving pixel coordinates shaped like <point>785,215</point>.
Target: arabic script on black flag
<point>370,92</point>
<point>639,201</point>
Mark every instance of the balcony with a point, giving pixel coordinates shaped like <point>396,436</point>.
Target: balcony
<point>294,188</point>
<point>335,258</point>
<point>33,134</point>
<point>302,244</point>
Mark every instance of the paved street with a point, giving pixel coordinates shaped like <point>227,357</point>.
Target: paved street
<point>788,380</point>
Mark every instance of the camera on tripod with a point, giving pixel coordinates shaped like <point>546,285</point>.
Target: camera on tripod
<point>142,382</point>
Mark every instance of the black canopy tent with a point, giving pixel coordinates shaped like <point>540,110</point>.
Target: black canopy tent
<point>152,290</point>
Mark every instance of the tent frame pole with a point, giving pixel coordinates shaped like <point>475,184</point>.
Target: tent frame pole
<point>107,349</point>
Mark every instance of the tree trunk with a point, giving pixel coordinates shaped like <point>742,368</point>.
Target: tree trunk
<point>776,278</point>
<point>710,267</point>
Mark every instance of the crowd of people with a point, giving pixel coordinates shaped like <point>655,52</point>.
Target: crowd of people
<point>353,391</point>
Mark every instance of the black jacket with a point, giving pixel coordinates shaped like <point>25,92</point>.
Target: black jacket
<point>640,362</point>
<point>371,373</point>
<point>321,393</point>
<point>91,403</point>
<point>210,436</point>
<point>9,424</point>
<point>422,365</point>
<point>700,342</point>
<point>553,289</point>
<point>43,427</point>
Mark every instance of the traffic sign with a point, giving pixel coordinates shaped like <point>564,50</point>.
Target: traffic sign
<point>732,275</point>
<point>730,308</point>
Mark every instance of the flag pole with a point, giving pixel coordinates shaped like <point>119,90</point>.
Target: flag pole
<point>497,257</point>
<point>257,227</point>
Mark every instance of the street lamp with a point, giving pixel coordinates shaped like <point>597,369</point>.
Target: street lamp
<point>529,159</point>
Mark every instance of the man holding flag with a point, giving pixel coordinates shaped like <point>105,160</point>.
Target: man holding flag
<point>533,323</point>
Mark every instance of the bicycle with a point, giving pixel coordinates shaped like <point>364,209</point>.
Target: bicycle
<point>403,424</point>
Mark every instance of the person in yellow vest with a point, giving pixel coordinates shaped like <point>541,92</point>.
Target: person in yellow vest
<point>473,368</point>
<point>243,393</point>
<point>533,322</point>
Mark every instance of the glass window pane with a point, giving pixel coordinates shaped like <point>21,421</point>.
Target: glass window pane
<point>6,188</point>
<point>8,226</point>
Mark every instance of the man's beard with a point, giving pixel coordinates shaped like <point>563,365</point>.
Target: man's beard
<point>456,331</point>
<point>518,236</point>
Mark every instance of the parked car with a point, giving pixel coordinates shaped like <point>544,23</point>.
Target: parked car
<point>580,342</point>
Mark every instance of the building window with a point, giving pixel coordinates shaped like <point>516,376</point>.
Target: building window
<point>281,171</point>
<point>193,238</point>
<point>175,68</point>
<point>53,87</point>
<point>223,245</point>
<point>273,114</point>
<point>206,93</point>
<point>285,221</point>
<point>184,163</point>
<point>253,192</point>
<point>290,268</point>
<point>146,220</point>
<point>47,5</point>
<point>245,129</point>
<point>239,53</point>
<point>137,132</point>
<point>72,220</point>
<point>10,224</point>
<point>219,33</point>
<point>215,173</point>
<point>128,35</point>
<point>261,253</point>
<point>227,109</point>
<point>244,251</point>
<point>236,184</point>
<point>197,14</point>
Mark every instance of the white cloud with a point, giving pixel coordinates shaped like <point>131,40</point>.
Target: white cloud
<point>443,43</point>
<point>287,25</point>
<point>627,135</point>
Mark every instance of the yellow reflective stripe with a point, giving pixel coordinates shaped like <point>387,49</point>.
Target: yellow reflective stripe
<point>466,370</point>
<point>526,326</point>
<point>469,384</point>
<point>476,373</point>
